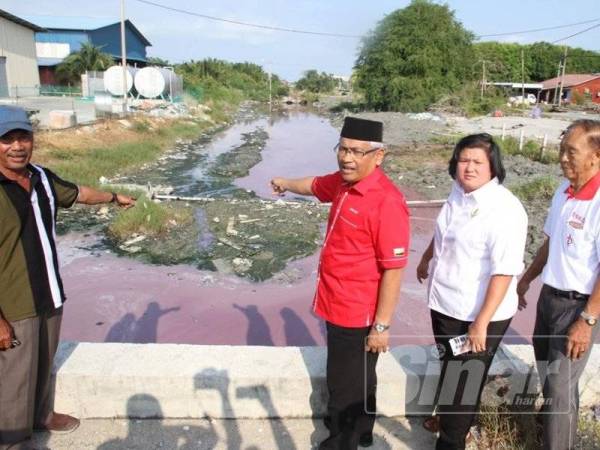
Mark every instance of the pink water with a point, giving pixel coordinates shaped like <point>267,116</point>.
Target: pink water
<point>118,299</point>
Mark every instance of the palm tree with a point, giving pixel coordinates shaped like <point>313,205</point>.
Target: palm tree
<point>89,57</point>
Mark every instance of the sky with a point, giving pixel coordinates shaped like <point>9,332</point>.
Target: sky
<point>179,37</point>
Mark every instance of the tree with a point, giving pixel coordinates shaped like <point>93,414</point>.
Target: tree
<point>541,60</point>
<point>218,80</point>
<point>316,82</point>
<point>89,57</point>
<point>413,57</point>
<point>156,61</point>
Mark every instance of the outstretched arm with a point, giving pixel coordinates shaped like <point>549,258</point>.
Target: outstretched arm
<point>90,196</point>
<point>301,186</point>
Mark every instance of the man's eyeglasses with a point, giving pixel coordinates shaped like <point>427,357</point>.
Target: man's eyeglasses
<point>356,153</point>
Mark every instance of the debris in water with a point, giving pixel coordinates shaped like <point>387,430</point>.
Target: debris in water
<point>230,230</point>
<point>134,240</point>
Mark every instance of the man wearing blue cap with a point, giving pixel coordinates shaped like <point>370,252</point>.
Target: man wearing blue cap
<point>32,292</point>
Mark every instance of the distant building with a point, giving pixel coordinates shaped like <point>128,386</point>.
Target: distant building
<point>18,66</point>
<point>588,85</point>
<point>64,35</point>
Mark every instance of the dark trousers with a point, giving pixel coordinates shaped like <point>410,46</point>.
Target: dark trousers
<point>351,382</point>
<point>462,378</point>
<point>558,374</point>
<point>25,377</point>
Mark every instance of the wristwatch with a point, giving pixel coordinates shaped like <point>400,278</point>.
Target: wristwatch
<point>589,319</point>
<point>379,327</point>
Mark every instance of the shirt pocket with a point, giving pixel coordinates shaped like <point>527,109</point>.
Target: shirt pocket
<point>350,233</point>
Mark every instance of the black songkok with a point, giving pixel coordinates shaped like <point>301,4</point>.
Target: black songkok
<point>362,129</point>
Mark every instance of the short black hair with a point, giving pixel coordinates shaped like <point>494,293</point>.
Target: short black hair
<point>485,142</point>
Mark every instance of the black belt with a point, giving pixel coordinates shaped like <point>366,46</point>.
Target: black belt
<point>571,295</point>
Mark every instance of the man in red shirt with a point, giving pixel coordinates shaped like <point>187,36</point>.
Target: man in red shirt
<point>360,272</point>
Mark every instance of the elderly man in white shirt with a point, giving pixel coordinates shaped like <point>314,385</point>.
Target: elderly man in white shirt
<point>476,253</point>
<point>569,303</point>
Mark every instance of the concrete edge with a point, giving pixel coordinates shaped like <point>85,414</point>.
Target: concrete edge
<point>107,380</point>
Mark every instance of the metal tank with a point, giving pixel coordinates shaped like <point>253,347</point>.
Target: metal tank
<point>113,79</point>
<point>153,82</point>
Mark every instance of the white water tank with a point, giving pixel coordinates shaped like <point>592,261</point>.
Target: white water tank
<point>113,80</point>
<point>152,82</point>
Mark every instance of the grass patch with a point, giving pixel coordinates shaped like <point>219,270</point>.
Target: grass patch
<point>149,218</point>
<point>504,427</point>
<point>353,107</point>
<point>108,149</point>
<point>589,434</point>
<point>531,150</point>
<point>541,188</point>
<point>510,146</point>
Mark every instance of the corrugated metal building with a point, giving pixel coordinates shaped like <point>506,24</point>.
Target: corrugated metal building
<point>587,85</point>
<point>18,66</point>
<point>64,35</point>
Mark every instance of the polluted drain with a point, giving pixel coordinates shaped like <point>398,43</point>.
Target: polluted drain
<point>233,232</point>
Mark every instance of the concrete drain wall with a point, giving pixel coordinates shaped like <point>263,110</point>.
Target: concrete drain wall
<point>191,381</point>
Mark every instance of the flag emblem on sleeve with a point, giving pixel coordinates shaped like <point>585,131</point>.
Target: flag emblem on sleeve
<point>399,252</point>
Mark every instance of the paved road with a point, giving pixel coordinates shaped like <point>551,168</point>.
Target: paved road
<point>84,109</point>
<point>204,434</point>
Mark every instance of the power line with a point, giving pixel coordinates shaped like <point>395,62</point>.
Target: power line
<point>576,34</point>
<point>540,29</point>
<point>319,33</point>
<point>247,24</point>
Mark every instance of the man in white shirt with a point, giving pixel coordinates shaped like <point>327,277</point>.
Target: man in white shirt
<point>569,303</point>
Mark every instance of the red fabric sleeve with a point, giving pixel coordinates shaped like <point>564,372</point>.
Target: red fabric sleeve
<point>326,187</point>
<point>392,233</point>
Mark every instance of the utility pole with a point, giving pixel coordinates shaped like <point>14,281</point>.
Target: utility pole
<point>555,99</point>
<point>270,92</point>
<point>562,78</point>
<point>483,80</point>
<point>124,56</point>
<point>522,77</point>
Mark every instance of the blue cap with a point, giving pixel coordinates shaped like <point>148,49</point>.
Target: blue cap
<point>13,118</point>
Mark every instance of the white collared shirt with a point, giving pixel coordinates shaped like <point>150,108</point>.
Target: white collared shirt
<point>477,235</point>
<point>573,226</point>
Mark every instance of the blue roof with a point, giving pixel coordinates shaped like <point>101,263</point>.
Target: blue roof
<point>72,22</point>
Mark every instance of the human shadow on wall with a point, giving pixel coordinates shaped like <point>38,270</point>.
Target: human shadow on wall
<point>296,331</point>
<point>149,431</point>
<point>314,359</point>
<point>141,331</point>
<point>122,331</point>
<point>421,366</point>
<point>259,332</point>
<point>261,393</point>
<point>218,380</point>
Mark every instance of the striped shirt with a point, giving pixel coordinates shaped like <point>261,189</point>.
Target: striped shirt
<point>29,280</point>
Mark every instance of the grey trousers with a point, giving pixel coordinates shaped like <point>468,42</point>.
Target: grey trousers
<point>558,374</point>
<point>25,378</point>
